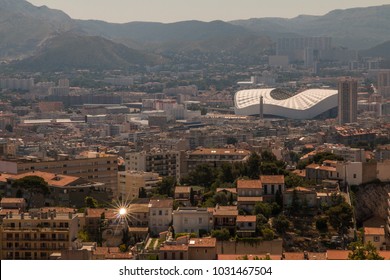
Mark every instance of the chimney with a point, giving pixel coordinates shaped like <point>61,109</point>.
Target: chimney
<point>10,214</point>
<point>70,215</point>
<point>51,215</point>
<point>6,215</point>
<point>22,216</point>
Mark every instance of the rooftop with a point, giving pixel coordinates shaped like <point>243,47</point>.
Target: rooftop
<point>202,242</point>
<point>272,179</point>
<point>249,184</point>
<point>374,231</point>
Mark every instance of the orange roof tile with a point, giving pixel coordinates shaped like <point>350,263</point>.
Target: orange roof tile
<point>272,179</point>
<point>374,231</point>
<point>161,203</point>
<point>182,189</point>
<point>167,247</point>
<point>202,242</point>
<point>337,254</point>
<point>242,219</point>
<point>249,184</point>
<point>226,257</point>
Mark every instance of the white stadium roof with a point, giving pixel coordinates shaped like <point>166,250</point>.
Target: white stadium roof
<point>305,105</point>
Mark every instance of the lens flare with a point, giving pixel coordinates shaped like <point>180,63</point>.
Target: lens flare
<point>122,211</point>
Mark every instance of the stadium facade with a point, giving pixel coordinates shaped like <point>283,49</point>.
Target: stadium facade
<point>308,104</point>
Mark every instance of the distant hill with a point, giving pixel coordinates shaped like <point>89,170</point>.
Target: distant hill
<point>357,28</point>
<point>70,51</point>
<point>23,27</point>
<point>185,35</point>
<point>381,50</point>
<point>43,35</point>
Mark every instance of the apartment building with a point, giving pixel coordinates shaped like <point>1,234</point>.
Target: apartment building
<point>163,162</point>
<point>65,190</point>
<point>94,166</point>
<point>130,182</point>
<point>213,157</point>
<point>37,235</point>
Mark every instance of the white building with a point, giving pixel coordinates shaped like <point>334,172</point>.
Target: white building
<point>192,220</point>
<point>160,215</point>
<point>307,104</point>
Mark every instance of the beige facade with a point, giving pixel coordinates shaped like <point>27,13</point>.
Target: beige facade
<point>37,235</point>
<point>130,182</point>
<point>192,220</point>
<point>163,162</point>
<point>98,167</point>
<point>376,236</point>
<point>160,215</point>
<point>202,249</point>
<point>213,157</point>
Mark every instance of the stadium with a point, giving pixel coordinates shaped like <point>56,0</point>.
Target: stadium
<point>308,104</point>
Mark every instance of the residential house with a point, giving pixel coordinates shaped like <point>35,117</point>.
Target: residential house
<point>160,215</point>
<point>375,235</point>
<point>225,217</point>
<point>202,249</point>
<point>249,192</point>
<point>192,220</point>
<point>304,196</point>
<point>183,195</point>
<point>246,225</point>
<point>271,185</point>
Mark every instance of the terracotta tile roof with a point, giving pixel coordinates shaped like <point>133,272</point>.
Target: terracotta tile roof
<point>63,210</point>
<point>112,253</point>
<point>56,180</point>
<point>225,211</point>
<point>385,254</point>
<point>181,247</point>
<point>12,200</point>
<point>272,179</point>
<point>139,208</point>
<point>97,212</point>
<point>300,173</point>
<point>242,219</point>
<point>161,203</point>
<point>202,242</point>
<point>374,231</point>
<point>300,256</point>
<point>232,190</point>
<point>337,254</point>
<point>182,189</point>
<point>226,257</point>
<point>249,184</point>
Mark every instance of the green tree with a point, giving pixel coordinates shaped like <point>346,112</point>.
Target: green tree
<point>322,224</point>
<point>268,156</point>
<point>268,234</point>
<point>340,217</point>
<point>296,204</point>
<point>221,199</point>
<point>83,236</point>
<point>362,251</point>
<point>142,193</point>
<point>221,234</point>
<point>90,202</point>
<point>226,173</point>
<point>203,175</point>
<point>281,224</point>
<point>32,185</point>
<point>254,166</point>
<point>262,208</point>
<point>166,186</point>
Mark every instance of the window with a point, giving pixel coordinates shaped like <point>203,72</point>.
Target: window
<point>160,212</point>
<point>376,239</point>
<point>200,220</point>
<point>354,176</point>
<point>185,220</point>
<point>165,256</point>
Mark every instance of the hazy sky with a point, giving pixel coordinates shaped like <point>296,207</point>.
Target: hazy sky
<point>205,10</point>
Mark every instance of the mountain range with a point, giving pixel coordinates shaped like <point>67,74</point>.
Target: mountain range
<point>50,39</point>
